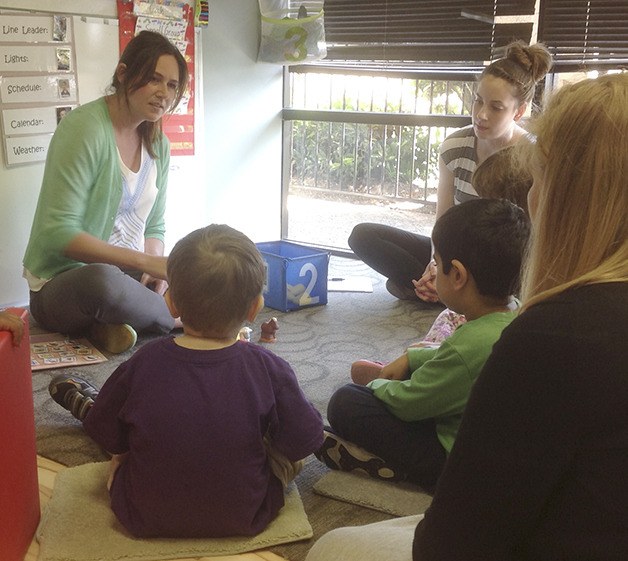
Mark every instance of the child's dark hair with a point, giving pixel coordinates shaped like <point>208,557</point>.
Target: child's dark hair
<point>214,274</point>
<point>489,237</point>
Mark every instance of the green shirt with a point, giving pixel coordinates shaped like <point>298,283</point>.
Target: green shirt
<point>82,187</point>
<point>442,378</point>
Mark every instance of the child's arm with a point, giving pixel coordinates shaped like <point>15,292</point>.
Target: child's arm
<point>13,324</point>
<point>398,369</point>
<point>437,387</point>
<point>296,427</point>
<point>283,469</point>
<point>103,423</point>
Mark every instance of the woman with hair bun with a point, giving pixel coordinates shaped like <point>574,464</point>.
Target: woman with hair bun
<point>505,91</point>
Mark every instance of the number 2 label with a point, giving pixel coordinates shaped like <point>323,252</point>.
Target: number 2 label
<point>306,298</point>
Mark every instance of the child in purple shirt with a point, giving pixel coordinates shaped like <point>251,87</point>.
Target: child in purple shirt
<point>195,422</point>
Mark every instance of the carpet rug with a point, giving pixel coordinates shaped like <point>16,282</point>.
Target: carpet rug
<point>79,525</point>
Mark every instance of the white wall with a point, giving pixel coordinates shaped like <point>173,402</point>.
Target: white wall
<point>104,8</point>
<point>235,176</point>
<point>243,101</point>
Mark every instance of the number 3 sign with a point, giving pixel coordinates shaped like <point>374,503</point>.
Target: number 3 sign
<point>290,34</point>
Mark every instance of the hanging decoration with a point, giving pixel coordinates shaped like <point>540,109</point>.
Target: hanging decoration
<point>293,31</point>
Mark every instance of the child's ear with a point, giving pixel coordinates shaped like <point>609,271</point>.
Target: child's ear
<point>255,308</point>
<point>171,307</point>
<point>458,274</point>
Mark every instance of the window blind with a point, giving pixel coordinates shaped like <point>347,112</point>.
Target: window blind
<point>585,34</point>
<point>421,31</point>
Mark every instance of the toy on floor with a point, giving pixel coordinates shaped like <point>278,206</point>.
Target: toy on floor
<point>245,334</point>
<point>269,329</point>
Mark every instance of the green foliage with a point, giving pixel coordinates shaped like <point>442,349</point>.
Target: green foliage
<point>393,161</point>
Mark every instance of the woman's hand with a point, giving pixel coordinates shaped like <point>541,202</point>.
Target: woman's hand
<point>425,288</point>
<point>156,285</point>
<point>155,271</point>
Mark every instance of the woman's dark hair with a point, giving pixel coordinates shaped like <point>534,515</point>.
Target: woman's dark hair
<point>523,66</point>
<point>140,58</point>
<point>489,237</point>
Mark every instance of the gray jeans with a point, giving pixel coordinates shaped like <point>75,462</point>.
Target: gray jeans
<point>74,300</point>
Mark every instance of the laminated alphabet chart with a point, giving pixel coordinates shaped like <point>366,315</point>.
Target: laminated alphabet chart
<point>38,84</point>
<point>54,350</point>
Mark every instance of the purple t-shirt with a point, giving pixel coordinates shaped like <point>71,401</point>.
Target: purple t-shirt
<point>193,424</point>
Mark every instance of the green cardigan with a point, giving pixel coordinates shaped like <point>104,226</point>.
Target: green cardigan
<point>82,187</point>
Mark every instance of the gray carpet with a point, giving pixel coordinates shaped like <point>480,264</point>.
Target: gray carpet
<point>319,342</point>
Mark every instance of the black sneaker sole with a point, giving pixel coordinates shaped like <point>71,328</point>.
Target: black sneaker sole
<point>74,394</point>
<point>338,454</point>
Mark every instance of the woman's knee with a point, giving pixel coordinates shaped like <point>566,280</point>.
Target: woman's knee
<point>99,284</point>
<point>361,237</point>
<point>99,274</point>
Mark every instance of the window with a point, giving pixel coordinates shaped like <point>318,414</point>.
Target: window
<point>363,147</point>
<point>363,127</point>
<point>585,34</point>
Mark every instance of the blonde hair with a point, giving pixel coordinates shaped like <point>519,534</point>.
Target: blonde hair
<point>581,159</point>
<point>522,66</point>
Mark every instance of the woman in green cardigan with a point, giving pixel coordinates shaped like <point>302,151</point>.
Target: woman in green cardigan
<point>94,262</point>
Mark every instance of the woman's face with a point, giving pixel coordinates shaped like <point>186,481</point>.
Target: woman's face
<point>495,109</point>
<point>152,100</point>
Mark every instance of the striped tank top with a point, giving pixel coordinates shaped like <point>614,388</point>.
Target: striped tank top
<point>460,156</point>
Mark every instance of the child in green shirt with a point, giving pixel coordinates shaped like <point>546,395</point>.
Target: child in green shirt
<point>403,422</point>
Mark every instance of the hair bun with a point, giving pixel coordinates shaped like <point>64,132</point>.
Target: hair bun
<point>535,59</point>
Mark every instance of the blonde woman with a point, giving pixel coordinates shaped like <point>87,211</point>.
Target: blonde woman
<point>538,471</point>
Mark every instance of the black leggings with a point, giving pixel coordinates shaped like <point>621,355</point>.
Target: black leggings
<point>399,255</point>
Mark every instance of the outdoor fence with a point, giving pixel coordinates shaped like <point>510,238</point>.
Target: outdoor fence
<point>372,135</point>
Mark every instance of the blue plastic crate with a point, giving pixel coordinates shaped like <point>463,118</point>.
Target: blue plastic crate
<point>296,275</point>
